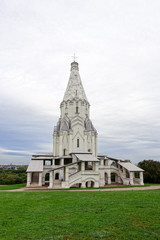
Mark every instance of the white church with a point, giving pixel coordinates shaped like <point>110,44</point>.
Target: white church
<point>75,161</point>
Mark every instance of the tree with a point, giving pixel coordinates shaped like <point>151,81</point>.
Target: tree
<point>151,171</point>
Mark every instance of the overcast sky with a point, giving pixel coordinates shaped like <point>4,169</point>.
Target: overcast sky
<point>118,49</point>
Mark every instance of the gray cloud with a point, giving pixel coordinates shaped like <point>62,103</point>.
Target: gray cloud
<point>118,49</point>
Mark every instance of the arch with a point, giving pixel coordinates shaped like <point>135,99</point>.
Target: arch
<point>90,184</point>
<point>77,142</point>
<point>46,178</point>
<point>115,178</point>
<point>56,176</point>
<point>106,178</point>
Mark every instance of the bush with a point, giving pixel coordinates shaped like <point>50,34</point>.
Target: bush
<point>152,171</point>
<point>11,176</point>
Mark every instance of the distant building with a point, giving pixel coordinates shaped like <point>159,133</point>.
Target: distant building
<point>12,166</point>
<point>74,161</point>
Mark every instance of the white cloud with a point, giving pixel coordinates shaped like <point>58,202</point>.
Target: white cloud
<point>118,49</point>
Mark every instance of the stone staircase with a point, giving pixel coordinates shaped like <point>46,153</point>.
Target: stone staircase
<point>74,178</point>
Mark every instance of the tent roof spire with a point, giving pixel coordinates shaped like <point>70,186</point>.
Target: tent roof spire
<point>75,90</point>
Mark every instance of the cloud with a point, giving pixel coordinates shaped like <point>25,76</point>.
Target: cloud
<point>117,43</point>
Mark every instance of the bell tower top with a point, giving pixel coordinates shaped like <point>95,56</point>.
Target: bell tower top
<point>74,66</point>
<point>75,90</point>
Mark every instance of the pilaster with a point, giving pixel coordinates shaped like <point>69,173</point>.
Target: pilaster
<point>40,179</point>
<point>29,179</point>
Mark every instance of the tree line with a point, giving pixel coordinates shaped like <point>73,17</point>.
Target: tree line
<point>151,171</point>
<point>13,176</point>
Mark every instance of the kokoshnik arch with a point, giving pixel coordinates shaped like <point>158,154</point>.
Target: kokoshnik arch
<point>75,161</point>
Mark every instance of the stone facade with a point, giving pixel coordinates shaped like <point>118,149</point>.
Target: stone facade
<point>74,130</point>
<point>74,161</point>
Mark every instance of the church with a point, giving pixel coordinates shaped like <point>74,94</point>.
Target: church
<point>74,161</point>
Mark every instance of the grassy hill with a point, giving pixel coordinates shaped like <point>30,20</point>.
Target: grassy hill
<point>80,215</point>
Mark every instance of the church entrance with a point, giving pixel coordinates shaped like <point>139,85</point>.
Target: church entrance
<point>56,176</point>
<point>47,179</point>
<point>114,178</point>
<point>89,184</point>
<point>35,177</point>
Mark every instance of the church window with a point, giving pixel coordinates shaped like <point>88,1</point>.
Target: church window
<point>77,142</point>
<point>76,109</point>
<point>64,152</point>
<point>57,161</point>
<point>57,176</point>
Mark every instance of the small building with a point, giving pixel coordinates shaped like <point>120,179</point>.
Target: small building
<point>74,161</point>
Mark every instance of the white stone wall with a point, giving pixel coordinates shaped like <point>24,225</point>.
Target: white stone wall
<point>75,111</point>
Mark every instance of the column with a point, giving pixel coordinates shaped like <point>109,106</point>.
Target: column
<point>85,142</point>
<point>82,166</point>
<point>66,174</point>
<point>29,179</point>
<point>93,145</point>
<point>40,179</point>
<point>109,177</point>
<point>54,145</point>
<point>96,166</point>
<point>141,178</point>
<point>53,162</point>
<point>83,185</point>
<point>96,145</point>
<point>102,162</point>
<point>70,142</point>
<point>131,178</point>
<point>60,144</point>
<point>62,161</point>
<point>51,179</point>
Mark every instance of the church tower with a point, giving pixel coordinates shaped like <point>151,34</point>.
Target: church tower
<point>74,161</point>
<point>74,131</point>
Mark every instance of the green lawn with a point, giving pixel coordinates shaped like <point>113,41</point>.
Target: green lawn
<point>17,186</point>
<point>10,187</point>
<point>131,215</point>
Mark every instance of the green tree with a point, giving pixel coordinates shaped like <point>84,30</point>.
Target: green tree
<point>152,171</point>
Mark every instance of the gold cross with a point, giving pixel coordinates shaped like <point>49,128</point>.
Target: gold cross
<point>74,57</point>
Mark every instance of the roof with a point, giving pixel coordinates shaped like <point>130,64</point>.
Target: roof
<point>131,167</point>
<point>75,90</point>
<point>35,166</point>
<point>86,157</point>
<point>42,158</point>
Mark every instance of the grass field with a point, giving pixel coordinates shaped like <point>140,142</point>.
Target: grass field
<point>10,187</point>
<point>17,186</point>
<point>80,215</point>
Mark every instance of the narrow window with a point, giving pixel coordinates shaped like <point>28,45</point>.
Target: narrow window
<point>78,142</point>
<point>76,109</point>
<point>57,176</point>
<point>76,92</point>
<point>64,152</point>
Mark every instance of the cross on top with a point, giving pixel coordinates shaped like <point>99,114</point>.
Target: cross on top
<point>74,57</point>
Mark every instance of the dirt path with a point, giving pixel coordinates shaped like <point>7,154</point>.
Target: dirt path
<point>83,190</point>
<point>121,189</point>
